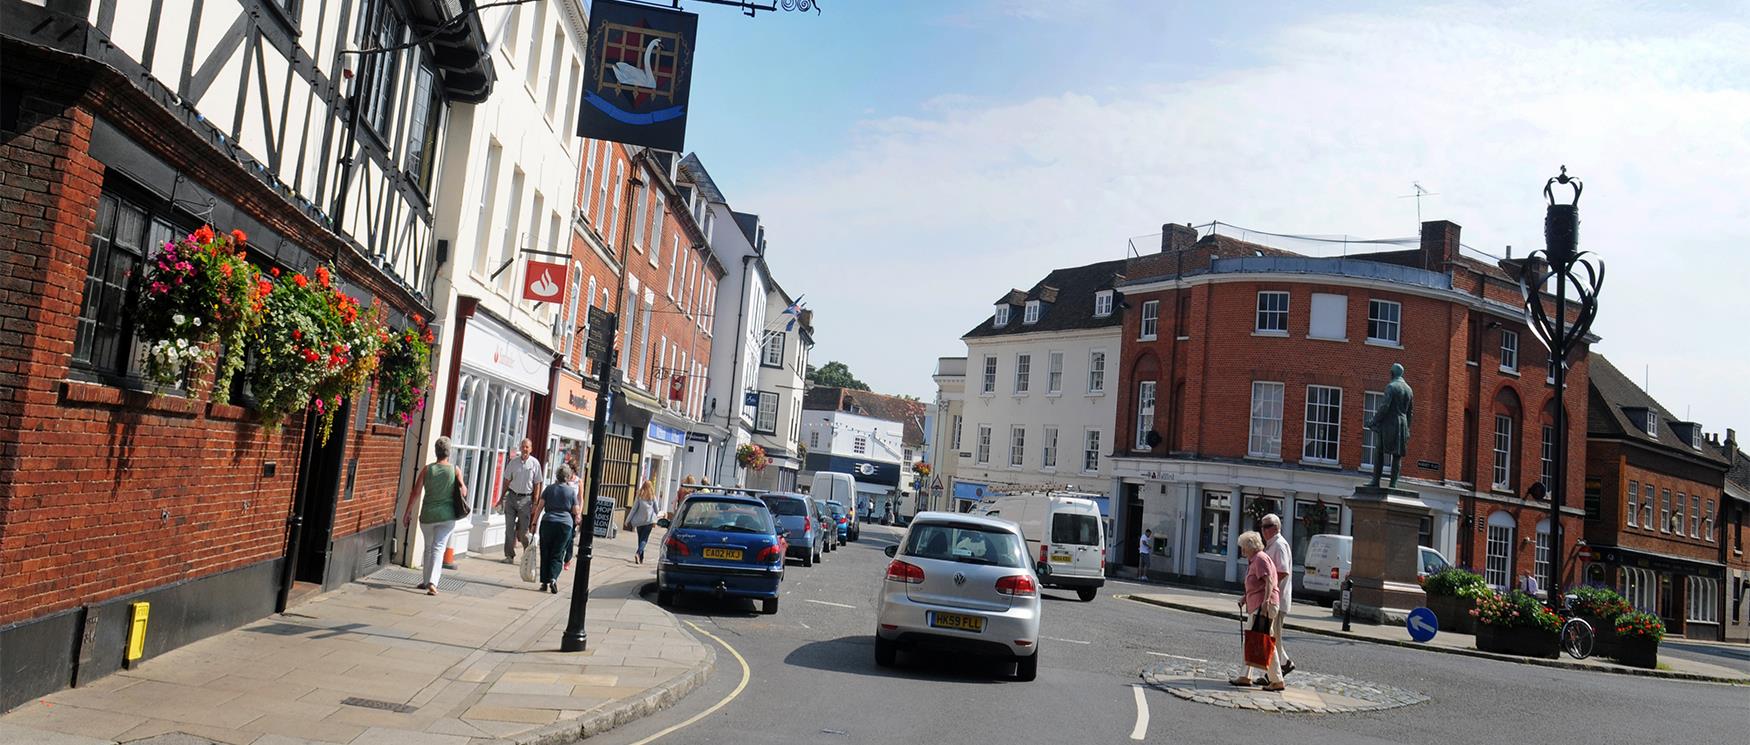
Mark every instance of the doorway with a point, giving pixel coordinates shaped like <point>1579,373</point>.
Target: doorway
<point>310,539</point>
<point>1132,525</point>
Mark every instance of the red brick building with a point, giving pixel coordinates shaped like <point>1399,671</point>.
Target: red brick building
<point>1654,493</point>
<point>1255,370</point>
<point>1734,514</point>
<point>639,250</point>
<point>110,495</point>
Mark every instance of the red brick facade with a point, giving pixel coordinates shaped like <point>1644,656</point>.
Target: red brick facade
<point>1207,352</point>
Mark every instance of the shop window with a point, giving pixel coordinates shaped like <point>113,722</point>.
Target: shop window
<point>1212,534</point>
<point>1314,518</point>
<point>1704,600</point>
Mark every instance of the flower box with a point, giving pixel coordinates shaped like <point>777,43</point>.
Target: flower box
<point>1640,651</point>
<point>1528,642</point>
<point>1604,641</point>
<point>1454,613</point>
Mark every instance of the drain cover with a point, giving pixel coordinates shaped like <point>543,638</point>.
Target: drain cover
<point>371,703</point>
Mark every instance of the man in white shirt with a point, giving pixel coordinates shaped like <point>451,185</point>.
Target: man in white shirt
<point>1144,548</point>
<point>522,481</point>
<point>1279,551</point>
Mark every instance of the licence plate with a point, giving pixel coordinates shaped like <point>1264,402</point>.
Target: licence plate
<point>730,554</point>
<point>959,621</point>
<point>1060,558</point>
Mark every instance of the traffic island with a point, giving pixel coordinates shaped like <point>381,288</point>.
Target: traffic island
<point>1307,693</point>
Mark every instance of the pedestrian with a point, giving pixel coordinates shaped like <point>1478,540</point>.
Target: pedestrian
<point>560,513</point>
<point>1261,601</point>
<point>521,483</point>
<point>571,545</point>
<point>1143,550</point>
<point>1528,583</point>
<point>439,487</point>
<point>642,517</point>
<point>1282,555</point>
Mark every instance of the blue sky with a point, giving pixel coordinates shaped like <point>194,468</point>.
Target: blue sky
<point>946,151</point>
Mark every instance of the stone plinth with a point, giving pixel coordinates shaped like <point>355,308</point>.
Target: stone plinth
<point>1385,523</point>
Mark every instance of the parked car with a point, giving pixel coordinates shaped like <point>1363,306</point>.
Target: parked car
<point>841,488</point>
<point>829,530</point>
<point>795,516</point>
<point>960,583</point>
<point>841,519</point>
<point>721,545</point>
<point>1061,530</point>
<point>1328,561</point>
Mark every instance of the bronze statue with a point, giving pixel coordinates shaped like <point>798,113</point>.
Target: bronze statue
<point>1391,426</point>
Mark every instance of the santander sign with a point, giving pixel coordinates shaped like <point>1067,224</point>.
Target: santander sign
<point>544,282</point>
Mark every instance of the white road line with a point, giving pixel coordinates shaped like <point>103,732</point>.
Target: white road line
<point>1071,641</point>
<point>1177,657</point>
<point>827,602</point>
<point>1141,729</point>
<point>806,626</point>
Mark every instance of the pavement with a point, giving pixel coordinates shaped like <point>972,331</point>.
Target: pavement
<point>1310,617</point>
<point>377,661</point>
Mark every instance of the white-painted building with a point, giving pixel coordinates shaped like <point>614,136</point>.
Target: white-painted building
<point>1035,396</point>
<point>509,190</point>
<point>872,450</point>
<point>783,368</point>
<point>947,435</point>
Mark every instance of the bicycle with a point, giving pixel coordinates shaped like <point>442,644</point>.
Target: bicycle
<point>1576,638</point>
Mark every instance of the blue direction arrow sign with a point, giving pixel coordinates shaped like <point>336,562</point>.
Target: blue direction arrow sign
<point>1422,624</point>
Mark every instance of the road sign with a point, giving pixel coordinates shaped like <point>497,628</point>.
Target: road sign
<point>1422,624</point>
<point>596,346</point>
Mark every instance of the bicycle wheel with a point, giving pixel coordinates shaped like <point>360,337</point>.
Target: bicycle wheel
<point>1577,638</point>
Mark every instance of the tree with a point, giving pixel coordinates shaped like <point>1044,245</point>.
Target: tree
<point>835,374</point>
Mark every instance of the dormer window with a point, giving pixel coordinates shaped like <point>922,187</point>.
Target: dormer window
<point>1032,313</point>
<point>1652,422</point>
<point>1102,303</point>
<point>1002,316</point>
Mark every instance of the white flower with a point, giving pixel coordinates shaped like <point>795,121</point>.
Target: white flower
<point>197,321</point>
<point>178,319</point>
<point>181,343</point>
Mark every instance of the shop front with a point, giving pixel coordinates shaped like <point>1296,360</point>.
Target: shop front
<point>663,446</point>
<point>501,372</point>
<point>569,437</point>
<point>1684,593</point>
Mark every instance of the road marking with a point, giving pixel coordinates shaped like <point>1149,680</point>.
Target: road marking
<point>806,626</point>
<point>1071,641</point>
<point>739,687</point>
<point>827,602</point>
<point>1141,729</point>
<point>1177,657</point>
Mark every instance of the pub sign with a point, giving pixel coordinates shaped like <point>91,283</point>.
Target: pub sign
<point>637,75</point>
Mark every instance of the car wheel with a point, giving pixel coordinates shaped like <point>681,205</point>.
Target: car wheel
<point>808,558</point>
<point>816,556</point>
<point>1027,668</point>
<point>665,598</point>
<point>1086,594</point>
<point>769,606</point>
<point>885,652</point>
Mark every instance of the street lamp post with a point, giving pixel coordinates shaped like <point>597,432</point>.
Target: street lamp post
<point>1562,261</point>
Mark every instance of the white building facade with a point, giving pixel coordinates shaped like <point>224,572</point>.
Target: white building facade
<point>947,433</point>
<point>783,368</point>
<point>871,450</point>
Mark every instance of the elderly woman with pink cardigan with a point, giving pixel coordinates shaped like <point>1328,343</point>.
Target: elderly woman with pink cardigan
<point>1262,597</point>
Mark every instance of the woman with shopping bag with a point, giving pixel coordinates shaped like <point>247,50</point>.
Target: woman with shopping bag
<point>1261,603</point>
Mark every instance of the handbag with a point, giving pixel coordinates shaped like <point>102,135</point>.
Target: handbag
<point>1260,645</point>
<point>463,509</point>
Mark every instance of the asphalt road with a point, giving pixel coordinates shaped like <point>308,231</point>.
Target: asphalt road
<point>812,679</point>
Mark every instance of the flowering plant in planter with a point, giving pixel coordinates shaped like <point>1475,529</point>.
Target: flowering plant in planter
<point>405,371</point>
<point>752,457</point>
<point>1599,603</point>
<point>1455,582</point>
<point>1515,610</point>
<point>1636,625</point>
<point>198,290</point>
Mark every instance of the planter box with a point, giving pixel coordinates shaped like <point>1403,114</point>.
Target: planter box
<point>1604,640</point>
<point>1520,641</point>
<point>1454,613</point>
<point>1637,652</point>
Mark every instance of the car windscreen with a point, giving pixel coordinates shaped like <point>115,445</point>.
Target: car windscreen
<point>786,506</point>
<point>1074,529</point>
<point>966,544</point>
<point>733,517</point>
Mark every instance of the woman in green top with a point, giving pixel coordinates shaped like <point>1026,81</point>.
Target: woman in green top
<point>437,485</point>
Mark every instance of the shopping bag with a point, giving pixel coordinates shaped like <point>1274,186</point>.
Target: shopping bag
<point>531,561</point>
<point>1260,645</point>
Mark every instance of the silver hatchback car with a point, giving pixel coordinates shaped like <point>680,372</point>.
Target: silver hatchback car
<point>960,583</point>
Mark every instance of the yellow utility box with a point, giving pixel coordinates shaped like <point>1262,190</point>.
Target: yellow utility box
<point>137,632</point>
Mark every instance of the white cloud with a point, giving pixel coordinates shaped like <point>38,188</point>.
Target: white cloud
<point>935,215</point>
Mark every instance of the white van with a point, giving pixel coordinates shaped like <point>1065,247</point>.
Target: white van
<point>841,488</point>
<point>1063,532</point>
<point>1327,564</point>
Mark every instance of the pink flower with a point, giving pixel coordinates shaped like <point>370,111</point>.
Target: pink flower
<point>318,405</point>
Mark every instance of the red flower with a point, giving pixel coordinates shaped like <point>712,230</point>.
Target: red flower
<point>418,320</point>
<point>428,336</point>
<point>322,275</point>
<point>296,334</point>
<point>299,278</point>
<point>226,268</point>
<point>239,237</point>
<point>203,234</point>
<point>276,271</point>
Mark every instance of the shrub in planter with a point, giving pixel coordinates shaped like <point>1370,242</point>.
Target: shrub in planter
<point>1516,623</point>
<point>1600,608</point>
<point>1637,639</point>
<point>1452,595</point>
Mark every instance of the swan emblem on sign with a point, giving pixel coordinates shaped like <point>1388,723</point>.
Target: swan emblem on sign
<point>545,286</point>
<point>636,77</point>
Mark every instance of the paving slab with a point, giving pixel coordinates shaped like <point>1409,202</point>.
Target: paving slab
<point>376,661</point>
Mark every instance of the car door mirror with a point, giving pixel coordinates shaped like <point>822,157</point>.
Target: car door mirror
<point>891,551</point>
<point>662,522</point>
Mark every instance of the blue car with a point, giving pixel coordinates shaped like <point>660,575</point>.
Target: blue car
<point>724,546</point>
<point>842,519</point>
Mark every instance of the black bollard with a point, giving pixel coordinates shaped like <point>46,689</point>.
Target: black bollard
<point>1348,585</point>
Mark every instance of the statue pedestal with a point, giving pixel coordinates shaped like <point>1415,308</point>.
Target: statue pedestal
<point>1385,557</point>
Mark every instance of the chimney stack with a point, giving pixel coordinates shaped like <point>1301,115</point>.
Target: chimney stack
<point>1439,245</point>
<point>1176,237</point>
<point>1731,444</point>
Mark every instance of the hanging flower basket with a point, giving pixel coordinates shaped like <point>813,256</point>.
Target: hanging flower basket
<point>199,290</point>
<point>300,350</point>
<point>921,468</point>
<point>752,457</point>
<point>405,371</point>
